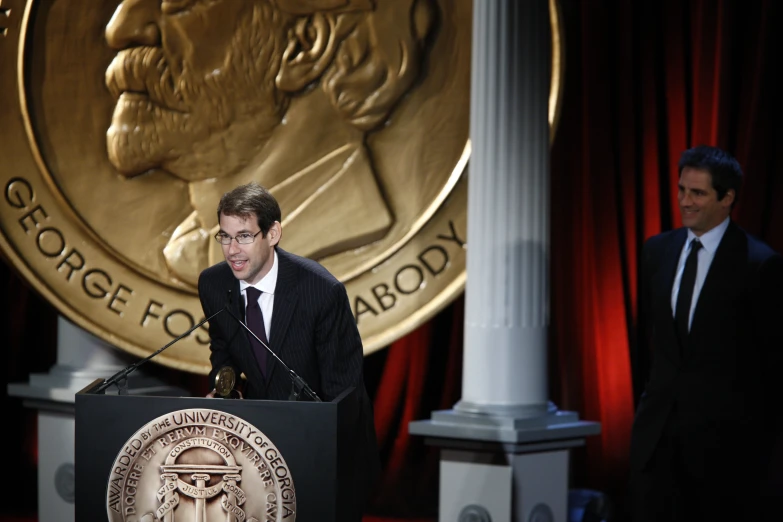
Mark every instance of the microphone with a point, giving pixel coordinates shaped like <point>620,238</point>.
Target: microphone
<point>125,372</point>
<point>299,385</point>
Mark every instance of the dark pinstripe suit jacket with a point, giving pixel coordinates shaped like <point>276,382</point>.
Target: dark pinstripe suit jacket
<point>313,331</point>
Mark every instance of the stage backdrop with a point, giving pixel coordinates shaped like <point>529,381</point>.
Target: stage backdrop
<point>643,82</point>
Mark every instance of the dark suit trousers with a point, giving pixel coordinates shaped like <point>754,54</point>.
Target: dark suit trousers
<point>669,489</point>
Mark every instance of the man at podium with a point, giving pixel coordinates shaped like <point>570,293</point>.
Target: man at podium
<point>292,304</point>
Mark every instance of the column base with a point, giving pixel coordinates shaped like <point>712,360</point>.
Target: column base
<point>455,424</point>
<point>57,388</point>
<point>501,468</point>
<point>503,410</point>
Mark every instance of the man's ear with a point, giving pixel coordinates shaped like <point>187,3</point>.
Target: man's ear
<point>310,49</point>
<point>728,198</point>
<point>275,233</point>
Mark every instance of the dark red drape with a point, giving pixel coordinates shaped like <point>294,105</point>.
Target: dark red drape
<point>643,82</point>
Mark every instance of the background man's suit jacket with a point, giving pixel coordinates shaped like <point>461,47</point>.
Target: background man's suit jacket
<point>313,331</point>
<point>724,380</point>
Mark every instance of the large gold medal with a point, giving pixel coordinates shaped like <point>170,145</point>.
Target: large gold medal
<point>124,122</point>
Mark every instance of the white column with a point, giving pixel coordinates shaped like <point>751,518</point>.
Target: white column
<point>507,293</point>
<point>504,446</point>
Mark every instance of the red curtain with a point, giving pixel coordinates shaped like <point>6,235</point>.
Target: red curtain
<point>643,82</point>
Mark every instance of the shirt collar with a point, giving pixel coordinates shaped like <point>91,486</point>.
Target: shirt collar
<point>268,284</point>
<point>711,239</point>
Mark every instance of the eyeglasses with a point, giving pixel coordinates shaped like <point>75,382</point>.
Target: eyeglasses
<point>243,239</point>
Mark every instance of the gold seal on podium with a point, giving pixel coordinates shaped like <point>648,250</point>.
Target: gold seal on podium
<point>196,462</point>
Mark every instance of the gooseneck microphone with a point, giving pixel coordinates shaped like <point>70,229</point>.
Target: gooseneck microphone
<point>120,378</point>
<point>123,374</point>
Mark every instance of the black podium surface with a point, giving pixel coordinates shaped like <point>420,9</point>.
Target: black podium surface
<point>121,471</point>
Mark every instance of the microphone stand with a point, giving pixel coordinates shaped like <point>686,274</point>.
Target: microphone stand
<point>123,374</point>
<point>297,382</point>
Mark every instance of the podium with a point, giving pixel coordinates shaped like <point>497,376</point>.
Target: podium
<point>144,458</point>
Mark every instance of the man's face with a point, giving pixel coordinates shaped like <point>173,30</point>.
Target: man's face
<point>250,262</point>
<point>190,76</point>
<point>699,206</point>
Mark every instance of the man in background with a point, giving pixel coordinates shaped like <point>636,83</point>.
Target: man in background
<point>711,303</point>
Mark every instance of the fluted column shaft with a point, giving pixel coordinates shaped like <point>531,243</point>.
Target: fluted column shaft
<point>507,293</point>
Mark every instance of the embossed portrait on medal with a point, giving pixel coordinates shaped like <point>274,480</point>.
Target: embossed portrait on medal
<point>284,93</point>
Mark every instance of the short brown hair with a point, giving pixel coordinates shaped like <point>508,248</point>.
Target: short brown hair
<point>251,199</point>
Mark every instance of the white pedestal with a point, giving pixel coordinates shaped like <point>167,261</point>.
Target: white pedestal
<point>500,468</point>
<point>81,358</point>
<point>55,468</point>
<point>505,445</point>
<point>494,485</point>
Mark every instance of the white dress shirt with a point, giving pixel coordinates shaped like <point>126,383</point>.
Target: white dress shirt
<point>709,244</point>
<point>267,300</point>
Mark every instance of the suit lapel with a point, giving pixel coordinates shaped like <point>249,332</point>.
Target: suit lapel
<point>238,334</point>
<point>724,268</point>
<point>663,281</point>
<point>237,303</point>
<point>286,297</point>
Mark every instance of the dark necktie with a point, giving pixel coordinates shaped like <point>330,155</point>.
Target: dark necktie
<point>685,294</point>
<point>255,321</point>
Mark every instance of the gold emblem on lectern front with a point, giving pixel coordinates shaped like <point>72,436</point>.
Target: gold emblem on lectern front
<point>135,116</point>
<point>200,465</point>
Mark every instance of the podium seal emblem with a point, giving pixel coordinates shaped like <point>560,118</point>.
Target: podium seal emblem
<point>200,465</point>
